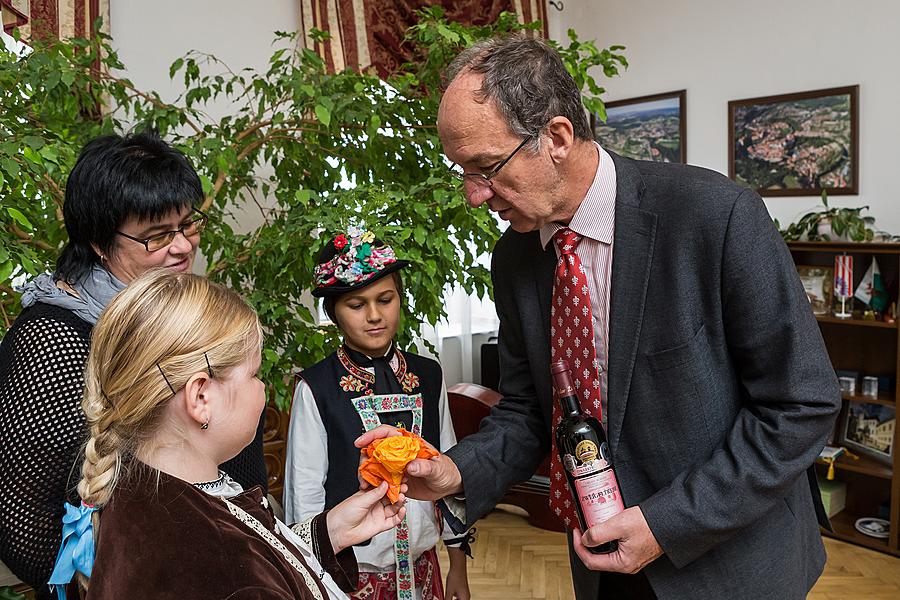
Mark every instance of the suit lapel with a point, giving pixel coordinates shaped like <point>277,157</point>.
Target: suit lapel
<point>544,269</point>
<point>633,241</point>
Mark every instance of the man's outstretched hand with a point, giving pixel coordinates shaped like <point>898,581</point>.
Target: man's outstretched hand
<point>430,479</point>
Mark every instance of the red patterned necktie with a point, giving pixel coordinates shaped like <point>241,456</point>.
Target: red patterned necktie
<point>572,339</point>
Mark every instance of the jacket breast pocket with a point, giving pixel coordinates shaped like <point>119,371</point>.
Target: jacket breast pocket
<point>681,378</point>
<point>681,354</point>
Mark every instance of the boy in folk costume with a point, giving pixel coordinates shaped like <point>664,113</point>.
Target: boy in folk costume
<point>368,381</point>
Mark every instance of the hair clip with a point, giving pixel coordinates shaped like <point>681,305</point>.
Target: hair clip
<point>164,377</point>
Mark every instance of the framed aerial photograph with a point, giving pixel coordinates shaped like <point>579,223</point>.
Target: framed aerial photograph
<point>646,128</point>
<point>818,284</point>
<point>868,428</point>
<point>796,144</point>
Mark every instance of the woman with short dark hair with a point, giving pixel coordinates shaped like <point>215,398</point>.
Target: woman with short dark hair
<point>130,206</point>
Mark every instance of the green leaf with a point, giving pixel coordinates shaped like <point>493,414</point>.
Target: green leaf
<point>19,217</point>
<point>206,184</point>
<point>6,269</point>
<point>52,80</point>
<point>34,142</point>
<point>6,592</point>
<point>176,66</point>
<point>302,196</point>
<point>323,114</point>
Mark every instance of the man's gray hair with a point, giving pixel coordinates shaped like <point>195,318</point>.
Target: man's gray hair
<point>527,81</point>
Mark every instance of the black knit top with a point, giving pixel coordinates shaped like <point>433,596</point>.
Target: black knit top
<point>42,430</point>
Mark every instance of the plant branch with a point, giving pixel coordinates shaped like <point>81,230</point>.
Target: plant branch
<point>6,321</point>
<point>262,210</point>
<point>152,100</point>
<point>29,239</point>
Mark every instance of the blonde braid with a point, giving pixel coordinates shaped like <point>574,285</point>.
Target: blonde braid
<point>102,452</point>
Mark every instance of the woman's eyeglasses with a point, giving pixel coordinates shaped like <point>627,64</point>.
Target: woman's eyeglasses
<point>161,240</point>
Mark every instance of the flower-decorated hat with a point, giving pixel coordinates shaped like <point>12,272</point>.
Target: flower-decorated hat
<point>353,260</point>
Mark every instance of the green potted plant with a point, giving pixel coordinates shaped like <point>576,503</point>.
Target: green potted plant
<point>831,224</point>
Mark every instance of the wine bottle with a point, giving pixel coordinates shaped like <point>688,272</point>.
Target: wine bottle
<point>584,454</point>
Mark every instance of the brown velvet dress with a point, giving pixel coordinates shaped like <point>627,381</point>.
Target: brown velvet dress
<point>173,540</point>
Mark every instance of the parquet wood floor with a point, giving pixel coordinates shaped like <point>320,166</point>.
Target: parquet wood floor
<point>514,560</point>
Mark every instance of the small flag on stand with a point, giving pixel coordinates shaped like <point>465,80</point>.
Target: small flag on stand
<point>843,282</point>
<point>871,289</point>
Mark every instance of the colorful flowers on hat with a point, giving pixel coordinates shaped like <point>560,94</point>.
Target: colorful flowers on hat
<point>357,259</point>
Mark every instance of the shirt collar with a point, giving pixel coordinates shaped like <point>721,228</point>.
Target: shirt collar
<point>595,216</point>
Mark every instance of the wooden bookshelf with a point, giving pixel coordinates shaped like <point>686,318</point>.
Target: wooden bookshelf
<point>855,322</point>
<point>844,524</point>
<point>863,464</point>
<point>867,348</point>
<point>884,400</point>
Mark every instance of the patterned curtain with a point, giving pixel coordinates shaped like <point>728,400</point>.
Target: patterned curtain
<point>61,19</point>
<point>369,33</point>
<point>14,13</point>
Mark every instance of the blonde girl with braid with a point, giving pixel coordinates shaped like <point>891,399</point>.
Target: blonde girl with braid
<point>171,392</point>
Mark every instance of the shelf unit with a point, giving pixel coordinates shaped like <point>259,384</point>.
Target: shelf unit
<point>869,348</point>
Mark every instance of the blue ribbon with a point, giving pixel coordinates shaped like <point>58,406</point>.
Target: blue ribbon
<point>76,553</point>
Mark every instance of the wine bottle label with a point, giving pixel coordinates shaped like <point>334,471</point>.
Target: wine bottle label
<point>586,451</point>
<point>596,488</point>
<point>599,497</point>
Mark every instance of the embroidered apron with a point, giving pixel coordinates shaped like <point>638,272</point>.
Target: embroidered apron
<point>368,408</point>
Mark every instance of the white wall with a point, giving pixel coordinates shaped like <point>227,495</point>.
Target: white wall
<point>721,50</point>
<point>149,36</point>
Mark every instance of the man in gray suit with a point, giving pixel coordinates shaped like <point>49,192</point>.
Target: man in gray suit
<point>715,378</point>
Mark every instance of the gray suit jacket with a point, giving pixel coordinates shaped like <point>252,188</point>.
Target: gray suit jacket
<point>721,393</point>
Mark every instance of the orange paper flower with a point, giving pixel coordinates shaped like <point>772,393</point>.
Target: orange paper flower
<point>388,458</point>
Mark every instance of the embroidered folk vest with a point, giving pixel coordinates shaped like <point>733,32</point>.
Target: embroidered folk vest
<point>335,383</point>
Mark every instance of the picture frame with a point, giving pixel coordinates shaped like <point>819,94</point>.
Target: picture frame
<point>868,429</point>
<point>818,283</point>
<point>646,128</point>
<point>797,144</point>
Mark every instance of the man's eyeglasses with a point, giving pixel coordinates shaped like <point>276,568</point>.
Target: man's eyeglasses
<point>480,180</point>
<point>161,240</point>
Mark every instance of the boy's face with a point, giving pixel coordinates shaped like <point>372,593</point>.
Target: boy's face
<point>369,316</point>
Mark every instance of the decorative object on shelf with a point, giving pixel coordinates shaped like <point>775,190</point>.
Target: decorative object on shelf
<point>843,282</point>
<point>869,429</point>
<point>871,289</point>
<point>818,285</point>
<point>870,386</point>
<point>829,454</point>
<point>874,527</point>
<point>848,385</point>
<point>645,128</point>
<point>795,144</point>
<point>834,495</point>
<point>854,375</point>
<point>831,224</point>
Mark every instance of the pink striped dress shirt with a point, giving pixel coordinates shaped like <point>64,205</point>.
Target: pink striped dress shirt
<point>595,221</point>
